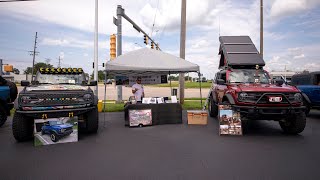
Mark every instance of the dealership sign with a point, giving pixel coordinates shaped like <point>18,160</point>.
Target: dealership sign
<point>150,79</point>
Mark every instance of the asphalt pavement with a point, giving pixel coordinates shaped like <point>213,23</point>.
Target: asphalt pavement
<point>168,152</point>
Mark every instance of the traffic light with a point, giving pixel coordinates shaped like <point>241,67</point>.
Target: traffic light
<point>157,47</point>
<point>112,47</point>
<point>152,45</point>
<point>145,39</point>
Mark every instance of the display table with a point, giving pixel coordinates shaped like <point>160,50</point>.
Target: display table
<point>170,113</point>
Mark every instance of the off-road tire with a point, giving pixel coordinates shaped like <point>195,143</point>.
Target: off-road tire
<point>294,124</point>
<point>3,115</point>
<point>212,108</point>
<point>54,137</point>
<point>13,90</point>
<point>22,127</point>
<point>92,121</point>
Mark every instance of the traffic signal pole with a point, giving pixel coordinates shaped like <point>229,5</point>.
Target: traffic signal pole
<point>121,13</point>
<point>118,22</point>
<point>119,46</point>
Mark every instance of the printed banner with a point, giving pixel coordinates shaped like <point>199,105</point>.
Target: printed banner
<point>230,121</point>
<point>55,130</point>
<point>141,117</point>
<point>152,79</point>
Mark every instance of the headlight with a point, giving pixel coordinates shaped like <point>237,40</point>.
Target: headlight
<point>87,97</point>
<point>25,99</point>
<point>298,97</point>
<point>243,96</point>
<point>62,130</point>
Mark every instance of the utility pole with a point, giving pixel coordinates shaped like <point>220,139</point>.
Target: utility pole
<point>59,63</point>
<point>96,47</point>
<point>182,46</point>
<point>34,54</point>
<point>261,28</point>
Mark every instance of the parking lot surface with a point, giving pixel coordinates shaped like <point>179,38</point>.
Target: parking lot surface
<point>168,152</point>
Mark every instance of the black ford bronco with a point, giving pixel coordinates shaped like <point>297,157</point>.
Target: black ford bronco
<point>55,92</point>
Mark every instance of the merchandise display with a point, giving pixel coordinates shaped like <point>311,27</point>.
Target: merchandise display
<point>229,121</point>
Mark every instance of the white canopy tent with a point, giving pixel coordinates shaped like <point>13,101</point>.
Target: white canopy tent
<point>148,61</point>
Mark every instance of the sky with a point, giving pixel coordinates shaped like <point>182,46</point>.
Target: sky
<point>66,29</point>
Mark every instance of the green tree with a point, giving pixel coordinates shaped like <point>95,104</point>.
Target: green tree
<point>37,66</point>
<point>16,71</point>
<point>101,75</point>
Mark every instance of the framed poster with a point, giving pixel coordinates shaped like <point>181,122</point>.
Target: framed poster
<point>55,130</point>
<point>141,117</point>
<point>229,121</point>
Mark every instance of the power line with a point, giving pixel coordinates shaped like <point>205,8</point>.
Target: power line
<point>154,19</point>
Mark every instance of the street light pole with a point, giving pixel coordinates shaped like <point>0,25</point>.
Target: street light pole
<point>96,47</point>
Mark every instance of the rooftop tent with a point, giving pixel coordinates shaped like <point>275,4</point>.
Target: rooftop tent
<point>149,61</point>
<point>238,51</point>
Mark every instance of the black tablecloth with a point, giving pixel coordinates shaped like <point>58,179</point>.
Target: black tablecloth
<point>170,113</point>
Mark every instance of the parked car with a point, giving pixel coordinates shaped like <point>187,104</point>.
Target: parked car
<point>309,85</point>
<point>56,130</point>
<point>8,93</point>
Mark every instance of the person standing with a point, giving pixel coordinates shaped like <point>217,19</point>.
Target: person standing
<point>137,90</point>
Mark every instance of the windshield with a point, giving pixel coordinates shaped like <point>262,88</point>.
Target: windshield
<point>249,76</point>
<point>55,123</point>
<point>60,78</point>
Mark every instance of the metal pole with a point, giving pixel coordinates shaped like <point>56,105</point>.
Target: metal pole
<point>182,47</point>
<point>0,67</point>
<point>96,47</point>
<point>200,87</point>
<point>261,28</point>
<point>119,45</point>
<point>34,55</point>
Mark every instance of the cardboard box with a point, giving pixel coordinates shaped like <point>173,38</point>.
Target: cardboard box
<point>197,117</point>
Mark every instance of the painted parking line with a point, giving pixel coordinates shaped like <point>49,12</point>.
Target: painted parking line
<point>42,139</point>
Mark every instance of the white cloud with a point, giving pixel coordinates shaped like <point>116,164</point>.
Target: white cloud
<point>301,56</point>
<point>281,8</point>
<point>72,42</point>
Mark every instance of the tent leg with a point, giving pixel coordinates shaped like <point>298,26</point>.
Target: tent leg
<point>170,85</point>
<point>199,74</point>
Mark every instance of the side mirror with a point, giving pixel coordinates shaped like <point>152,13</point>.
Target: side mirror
<point>221,82</point>
<point>279,82</point>
<point>93,83</point>
<point>25,83</point>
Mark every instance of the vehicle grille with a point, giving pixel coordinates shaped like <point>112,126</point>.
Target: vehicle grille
<point>58,99</point>
<point>255,96</point>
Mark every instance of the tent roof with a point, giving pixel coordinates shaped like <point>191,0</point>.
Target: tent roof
<point>149,61</point>
<point>239,51</point>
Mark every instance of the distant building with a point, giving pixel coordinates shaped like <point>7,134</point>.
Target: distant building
<point>17,78</point>
<point>285,75</point>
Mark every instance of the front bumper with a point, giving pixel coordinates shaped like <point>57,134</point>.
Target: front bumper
<point>259,113</point>
<point>56,113</point>
<point>66,133</point>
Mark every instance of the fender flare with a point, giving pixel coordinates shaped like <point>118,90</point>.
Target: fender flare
<point>95,100</point>
<point>229,98</point>
<point>306,98</point>
<point>213,95</point>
